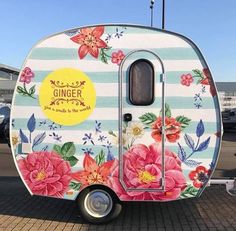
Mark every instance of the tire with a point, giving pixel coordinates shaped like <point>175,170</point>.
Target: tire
<point>98,205</point>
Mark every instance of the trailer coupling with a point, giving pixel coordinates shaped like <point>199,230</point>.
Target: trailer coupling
<point>229,183</point>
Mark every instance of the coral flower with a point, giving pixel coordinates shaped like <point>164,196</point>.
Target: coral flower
<point>45,173</point>
<point>186,79</point>
<point>117,57</point>
<point>199,176</point>
<point>173,129</point>
<point>90,41</point>
<point>92,173</point>
<point>143,170</point>
<point>208,81</point>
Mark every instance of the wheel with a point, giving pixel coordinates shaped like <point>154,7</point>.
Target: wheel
<point>98,205</point>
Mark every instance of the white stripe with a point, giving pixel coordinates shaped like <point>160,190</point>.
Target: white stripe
<point>111,89</point>
<point>130,41</point>
<point>76,136</point>
<point>96,66</point>
<point>207,115</point>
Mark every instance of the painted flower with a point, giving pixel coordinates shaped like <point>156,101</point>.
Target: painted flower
<point>207,80</point>
<point>199,176</point>
<point>93,173</point>
<point>142,169</point>
<point>45,173</point>
<point>90,41</point>
<point>135,129</point>
<point>26,75</point>
<point>15,139</point>
<point>173,129</point>
<point>186,79</point>
<point>117,57</point>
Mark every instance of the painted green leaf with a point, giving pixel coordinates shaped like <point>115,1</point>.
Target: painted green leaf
<point>68,149</point>
<point>32,90</point>
<point>100,157</point>
<point>148,118</point>
<point>57,148</point>
<point>190,191</point>
<point>198,73</point>
<point>73,160</point>
<point>75,186</point>
<point>112,133</point>
<point>20,89</point>
<point>184,121</point>
<point>167,111</point>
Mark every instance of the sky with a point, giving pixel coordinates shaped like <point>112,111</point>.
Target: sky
<point>211,24</point>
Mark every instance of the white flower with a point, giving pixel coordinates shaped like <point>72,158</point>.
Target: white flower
<point>115,139</point>
<point>135,129</point>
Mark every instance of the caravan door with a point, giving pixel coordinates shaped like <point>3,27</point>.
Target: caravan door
<point>142,116</point>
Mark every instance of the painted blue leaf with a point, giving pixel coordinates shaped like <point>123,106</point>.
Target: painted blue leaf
<point>192,163</point>
<point>181,153</point>
<point>110,156</point>
<point>23,137</point>
<point>31,123</point>
<point>204,145</point>
<point>39,139</point>
<point>189,141</point>
<point>200,129</point>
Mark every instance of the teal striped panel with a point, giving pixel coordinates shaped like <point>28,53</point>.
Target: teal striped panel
<point>175,53</point>
<point>107,125</point>
<point>207,154</point>
<point>79,152</point>
<point>112,102</point>
<point>172,77</point>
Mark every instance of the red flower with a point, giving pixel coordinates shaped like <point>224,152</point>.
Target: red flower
<point>173,129</point>
<point>186,79</point>
<point>90,41</point>
<point>199,176</point>
<point>45,173</point>
<point>117,57</point>
<point>207,77</point>
<point>93,173</point>
<point>26,75</point>
<point>208,81</point>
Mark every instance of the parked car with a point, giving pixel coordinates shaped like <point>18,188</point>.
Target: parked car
<point>229,119</point>
<point>4,123</point>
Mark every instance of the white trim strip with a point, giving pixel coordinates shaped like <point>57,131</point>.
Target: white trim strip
<point>131,41</point>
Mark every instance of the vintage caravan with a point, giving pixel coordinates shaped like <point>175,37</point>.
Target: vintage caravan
<point>109,113</point>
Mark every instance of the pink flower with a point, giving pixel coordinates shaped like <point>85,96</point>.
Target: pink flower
<point>90,41</point>
<point>173,129</point>
<point>26,75</point>
<point>142,169</point>
<point>117,57</point>
<point>93,173</point>
<point>186,79</point>
<point>45,173</point>
<point>199,176</point>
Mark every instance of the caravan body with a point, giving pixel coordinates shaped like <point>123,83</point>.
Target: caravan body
<point>129,108</point>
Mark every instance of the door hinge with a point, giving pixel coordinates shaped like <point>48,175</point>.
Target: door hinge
<point>162,77</point>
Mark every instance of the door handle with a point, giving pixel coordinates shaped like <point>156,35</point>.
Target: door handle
<point>127,117</point>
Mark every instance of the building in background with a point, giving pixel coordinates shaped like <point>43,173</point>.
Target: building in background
<point>227,95</point>
<point>8,77</point>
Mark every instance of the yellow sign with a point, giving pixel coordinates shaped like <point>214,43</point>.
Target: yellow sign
<point>67,96</point>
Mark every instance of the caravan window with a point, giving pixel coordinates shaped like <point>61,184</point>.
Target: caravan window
<point>141,82</point>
